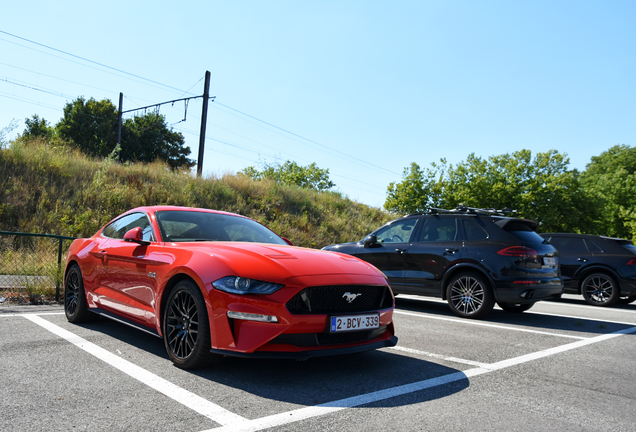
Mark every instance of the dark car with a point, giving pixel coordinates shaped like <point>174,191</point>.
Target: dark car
<point>602,269</point>
<point>470,257</point>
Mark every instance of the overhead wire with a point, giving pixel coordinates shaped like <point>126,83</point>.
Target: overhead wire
<point>90,61</point>
<point>245,116</point>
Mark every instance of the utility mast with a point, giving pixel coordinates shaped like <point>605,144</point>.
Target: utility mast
<point>204,120</point>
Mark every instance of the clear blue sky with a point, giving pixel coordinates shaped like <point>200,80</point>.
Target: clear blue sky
<point>362,88</point>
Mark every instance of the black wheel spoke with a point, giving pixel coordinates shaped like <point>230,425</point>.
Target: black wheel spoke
<point>182,324</point>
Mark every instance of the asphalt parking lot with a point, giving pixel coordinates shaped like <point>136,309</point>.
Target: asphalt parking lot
<point>561,366</point>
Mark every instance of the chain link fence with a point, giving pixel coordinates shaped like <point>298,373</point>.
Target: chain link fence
<point>31,267</point>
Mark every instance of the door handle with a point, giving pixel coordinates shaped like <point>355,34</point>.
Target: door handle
<point>400,251</point>
<point>582,259</point>
<point>451,251</point>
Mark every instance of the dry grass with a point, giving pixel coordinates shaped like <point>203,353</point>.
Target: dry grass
<point>58,190</point>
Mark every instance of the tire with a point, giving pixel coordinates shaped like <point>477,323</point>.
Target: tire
<point>469,296</point>
<point>515,307</point>
<point>627,300</point>
<point>599,289</point>
<point>75,305</point>
<point>186,328</point>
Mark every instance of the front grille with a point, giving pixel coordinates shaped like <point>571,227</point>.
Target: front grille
<point>335,299</point>
<point>321,339</point>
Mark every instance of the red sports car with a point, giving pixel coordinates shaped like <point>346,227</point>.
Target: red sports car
<point>216,284</point>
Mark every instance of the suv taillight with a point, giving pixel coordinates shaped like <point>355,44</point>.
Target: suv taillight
<point>631,261</point>
<point>518,251</point>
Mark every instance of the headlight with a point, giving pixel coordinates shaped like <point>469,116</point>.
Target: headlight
<point>239,285</point>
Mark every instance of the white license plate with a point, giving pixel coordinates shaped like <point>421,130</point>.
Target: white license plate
<point>354,322</point>
<point>549,261</point>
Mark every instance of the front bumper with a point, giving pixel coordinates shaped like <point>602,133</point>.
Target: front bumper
<point>295,333</point>
<point>306,354</point>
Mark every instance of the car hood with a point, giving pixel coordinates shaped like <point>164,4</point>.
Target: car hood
<point>260,260</point>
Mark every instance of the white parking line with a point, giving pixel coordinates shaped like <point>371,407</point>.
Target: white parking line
<point>330,407</point>
<point>232,422</point>
<point>190,400</point>
<point>484,324</point>
<point>438,356</point>
<point>21,315</point>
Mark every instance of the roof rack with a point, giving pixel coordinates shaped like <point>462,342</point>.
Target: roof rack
<point>462,208</point>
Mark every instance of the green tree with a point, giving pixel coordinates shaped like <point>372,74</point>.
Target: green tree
<point>540,188</point>
<point>91,125</point>
<point>38,127</point>
<point>147,138</point>
<point>610,179</point>
<point>419,189</point>
<point>309,177</point>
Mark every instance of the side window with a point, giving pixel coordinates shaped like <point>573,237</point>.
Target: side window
<point>594,247</point>
<point>474,231</point>
<point>121,226</point>
<point>568,245</point>
<point>439,229</point>
<point>398,232</point>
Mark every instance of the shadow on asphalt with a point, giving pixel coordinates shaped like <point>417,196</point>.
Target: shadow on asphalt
<point>311,382</point>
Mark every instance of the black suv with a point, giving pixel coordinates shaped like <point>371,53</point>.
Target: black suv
<point>470,257</point>
<point>602,269</point>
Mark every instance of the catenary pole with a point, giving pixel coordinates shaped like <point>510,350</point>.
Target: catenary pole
<point>204,120</point>
<point>121,103</point>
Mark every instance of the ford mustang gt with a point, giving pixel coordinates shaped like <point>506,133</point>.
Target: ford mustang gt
<point>215,284</point>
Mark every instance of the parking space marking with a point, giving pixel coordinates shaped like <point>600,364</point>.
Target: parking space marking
<point>233,422</point>
<point>438,356</point>
<point>202,406</point>
<point>21,315</point>
<point>330,407</point>
<point>485,324</point>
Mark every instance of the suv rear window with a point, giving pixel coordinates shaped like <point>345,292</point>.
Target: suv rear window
<point>630,247</point>
<point>527,236</point>
<point>523,231</point>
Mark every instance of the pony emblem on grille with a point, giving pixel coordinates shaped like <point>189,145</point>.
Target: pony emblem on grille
<point>349,297</point>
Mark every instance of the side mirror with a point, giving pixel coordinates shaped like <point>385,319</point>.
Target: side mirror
<point>135,235</point>
<point>287,241</point>
<point>370,240</point>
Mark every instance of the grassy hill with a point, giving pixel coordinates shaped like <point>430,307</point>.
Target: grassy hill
<point>58,190</point>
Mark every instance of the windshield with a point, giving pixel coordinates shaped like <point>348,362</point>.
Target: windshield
<point>189,226</point>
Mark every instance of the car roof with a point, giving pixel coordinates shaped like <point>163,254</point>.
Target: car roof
<point>616,239</point>
<point>158,208</point>
<point>500,221</point>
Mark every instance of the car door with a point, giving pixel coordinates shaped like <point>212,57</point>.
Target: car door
<point>573,254</point>
<point>437,245</point>
<point>126,282</point>
<point>389,252</point>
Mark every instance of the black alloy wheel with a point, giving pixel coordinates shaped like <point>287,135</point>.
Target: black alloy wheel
<point>599,289</point>
<point>515,307</point>
<point>75,305</point>
<point>186,329</point>
<point>470,296</point>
